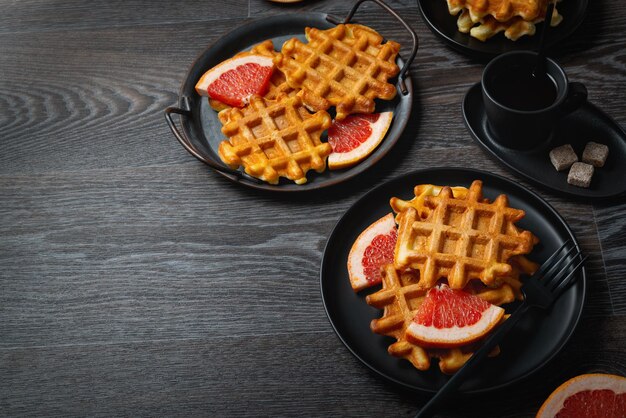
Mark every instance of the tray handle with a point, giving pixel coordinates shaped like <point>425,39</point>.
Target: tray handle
<point>407,64</point>
<point>191,148</point>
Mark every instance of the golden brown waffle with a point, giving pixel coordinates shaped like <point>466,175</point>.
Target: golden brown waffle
<point>501,10</point>
<point>513,29</point>
<point>461,239</point>
<point>275,138</point>
<point>403,292</point>
<point>483,27</point>
<point>278,82</point>
<point>347,66</point>
<point>400,297</point>
<point>421,191</point>
<point>489,26</point>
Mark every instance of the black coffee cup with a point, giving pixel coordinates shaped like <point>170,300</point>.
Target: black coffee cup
<point>522,109</point>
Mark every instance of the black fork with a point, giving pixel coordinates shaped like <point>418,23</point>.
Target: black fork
<point>540,291</point>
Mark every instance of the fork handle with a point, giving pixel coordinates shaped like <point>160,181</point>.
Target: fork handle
<point>459,377</point>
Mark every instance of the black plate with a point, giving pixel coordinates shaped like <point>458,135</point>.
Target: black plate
<point>201,127</point>
<point>443,24</point>
<point>588,123</point>
<point>538,336</point>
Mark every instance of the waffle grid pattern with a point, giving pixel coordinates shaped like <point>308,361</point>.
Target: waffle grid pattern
<point>346,66</point>
<point>400,297</point>
<point>502,10</point>
<point>461,239</point>
<point>483,19</point>
<point>275,138</point>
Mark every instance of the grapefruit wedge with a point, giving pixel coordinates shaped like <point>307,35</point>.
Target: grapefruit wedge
<point>593,395</point>
<point>372,249</point>
<point>450,318</point>
<point>233,81</point>
<point>355,137</point>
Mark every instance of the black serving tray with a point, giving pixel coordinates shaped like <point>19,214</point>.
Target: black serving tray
<point>588,123</point>
<point>201,134</point>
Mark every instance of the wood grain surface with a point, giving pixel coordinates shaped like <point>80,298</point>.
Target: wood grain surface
<point>134,281</point>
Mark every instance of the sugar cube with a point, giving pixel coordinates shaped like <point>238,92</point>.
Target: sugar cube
<point>595,154</point>
<point>563,157</point>
<point>580,174</point>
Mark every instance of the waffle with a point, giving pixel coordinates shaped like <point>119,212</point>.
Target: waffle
<point>484,26</point>
<point>400,296</point>
<point>461,239</point>
<point>278,82</point>
<point>347,66</point>
<point>421,191</point>
<point>275,138</point>
<point>502,10</point>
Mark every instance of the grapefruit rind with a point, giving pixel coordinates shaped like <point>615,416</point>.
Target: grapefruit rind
<point>339,160</point>
<point>584,382</point>
<point>455,336</point>
<point>230,64</point>
<point>356,272</point>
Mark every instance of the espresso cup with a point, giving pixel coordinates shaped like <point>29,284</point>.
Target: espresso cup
<point>522,109</point>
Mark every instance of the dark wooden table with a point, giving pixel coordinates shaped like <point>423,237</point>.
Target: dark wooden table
<point>136,281</point>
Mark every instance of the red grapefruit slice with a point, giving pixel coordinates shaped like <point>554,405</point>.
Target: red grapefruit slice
<point>372,249</point>
<point>233,81</point>
<point>355,137</point>
<point>451,318</point>
<point>593,395</point>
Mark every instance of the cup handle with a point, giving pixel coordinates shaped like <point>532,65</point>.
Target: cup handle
<point>576,96</point>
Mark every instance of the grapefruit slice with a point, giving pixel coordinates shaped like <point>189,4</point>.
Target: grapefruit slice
<point>372,249</point>
<point>355,137</point>
<point>233,81</point>
<point>593,395</point>
<point>451,318</point>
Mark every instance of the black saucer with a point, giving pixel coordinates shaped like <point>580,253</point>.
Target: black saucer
<point>588,123</point>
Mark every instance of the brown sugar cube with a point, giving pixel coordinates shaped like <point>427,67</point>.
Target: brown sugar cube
<point>595,154</point>
<point>580,175</point>
<point>563,157</point>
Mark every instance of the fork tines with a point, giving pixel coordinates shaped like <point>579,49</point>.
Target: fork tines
<point>559,272</point>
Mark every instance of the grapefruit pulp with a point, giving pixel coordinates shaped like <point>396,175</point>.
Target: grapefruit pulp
<point>373,248</point>
<point>233,81</point>
<point>593,395</point>
<point>355,137</point>
<point>450,318</point>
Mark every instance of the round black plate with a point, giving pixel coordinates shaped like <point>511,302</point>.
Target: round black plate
<point>537,338</point>
<point>204,129</point>
<point>443,24</point>
<point>588,123</point>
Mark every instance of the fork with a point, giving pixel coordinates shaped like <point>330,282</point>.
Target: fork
<point>540,291</point>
